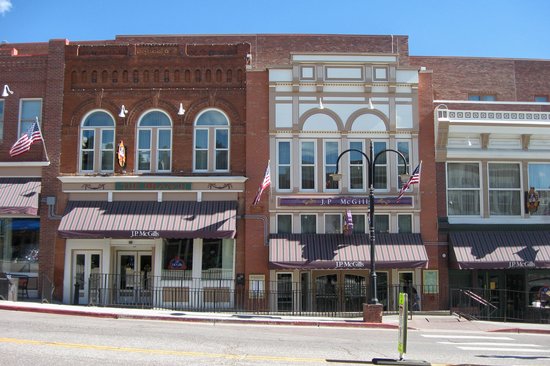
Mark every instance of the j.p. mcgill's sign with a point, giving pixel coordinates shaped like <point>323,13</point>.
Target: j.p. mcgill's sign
<point>350,264</point>
<point>144,234</point>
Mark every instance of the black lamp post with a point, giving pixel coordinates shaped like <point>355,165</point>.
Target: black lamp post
<point>371,164</point>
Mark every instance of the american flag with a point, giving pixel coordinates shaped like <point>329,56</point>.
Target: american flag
<point>26,140</point>
<point>265,183</point>
<point>414,179</point>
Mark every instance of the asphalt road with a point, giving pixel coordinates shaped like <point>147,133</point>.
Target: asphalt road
<point>47,339</point>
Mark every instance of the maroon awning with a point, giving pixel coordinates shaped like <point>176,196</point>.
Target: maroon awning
<point>338,251</point>
<point>500,249</point>
<point>149,219</point>
<point>19,196</point>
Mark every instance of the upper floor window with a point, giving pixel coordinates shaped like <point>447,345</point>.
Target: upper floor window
<point>356,166</point>
<point>333,223</point>
<point>382,223</point>
<point>359,223</point>
<point>404,223</point>
<point>482,97</point>
<point>97,143</point>
<point>541,98</point>
<point>539,179</point>
<point>154,143</point>
<point>1,120</point>
<point>331,150</point>
<point>307,165</point>
<point>283,165</point>
<point>308,223</point>
<point>284,224</point>
<point>463,189</point>
<point>504,189</point>
<point>403,147</point>
<point>211,146</point>
<point>31,111</point>
<point>380,180</point>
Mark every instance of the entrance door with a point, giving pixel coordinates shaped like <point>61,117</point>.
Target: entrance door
<point>86,267</point>
<point>134,277</point>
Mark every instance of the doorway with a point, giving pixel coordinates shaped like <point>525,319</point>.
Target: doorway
<point>134,280</point>
<point>86,267</point>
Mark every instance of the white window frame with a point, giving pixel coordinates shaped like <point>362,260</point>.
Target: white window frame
<point>277,221</point>
<point>314,165</point>
<point>399,163</point>
<point>216,149</point>
<point>478,189</point>
<point>154,143</point>
<point>97,149</point>
<point>20,122</point>
<point>518,189</point>
<point>195,149</point>
<point>387,165</point>
<point>316,221</point>
<point>325,150</point>
<point>325,217</point>
<point>404,215</point>
<point>279,164</point>
<point>256,286</point>
<point>366,220</point>
<point>380,215</point>
<point>211,156</point>
<point>362,165</point>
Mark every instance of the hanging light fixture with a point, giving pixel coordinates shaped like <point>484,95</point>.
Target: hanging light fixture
<point>6,92</point>
<point>321,106</point>
<point>370,104</point>
<point>181,111</point>
<point>123,111</point>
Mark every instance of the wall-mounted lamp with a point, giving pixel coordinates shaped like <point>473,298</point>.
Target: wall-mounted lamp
<point>181,111</point>
<point>370,104</point>
<point>7,92</point>
<point>321,106</point>
<point>123,111</point>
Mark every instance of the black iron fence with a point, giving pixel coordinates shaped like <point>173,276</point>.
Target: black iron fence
<point>499,305</point>
<point>181,293</point>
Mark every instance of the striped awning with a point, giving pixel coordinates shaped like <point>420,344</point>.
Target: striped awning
<point>149,219</point>
<point>338,251</point>
<point>19,196</point>
<point>500,249</point>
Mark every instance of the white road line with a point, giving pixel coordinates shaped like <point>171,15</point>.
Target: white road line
<point>491,344</point>
<point>445,336</point>
<point>515,350</point>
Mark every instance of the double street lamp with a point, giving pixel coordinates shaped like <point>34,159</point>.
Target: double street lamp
<point>371,164</point>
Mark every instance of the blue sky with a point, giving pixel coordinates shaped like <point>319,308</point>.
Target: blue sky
<point>480,28</point>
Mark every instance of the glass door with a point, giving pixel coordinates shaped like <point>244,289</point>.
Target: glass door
<point>85,271</point>
<point>134,277</point>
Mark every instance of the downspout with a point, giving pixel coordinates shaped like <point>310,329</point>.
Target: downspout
<point>258,217</point>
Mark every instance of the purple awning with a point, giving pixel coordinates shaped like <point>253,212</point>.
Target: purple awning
<point>19,196</point>
<point>149,219</point>
<point>338,251</point>
<point>501,249</point>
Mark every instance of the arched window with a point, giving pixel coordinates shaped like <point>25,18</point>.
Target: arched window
<point>154,143</point>
<point>211,145</point>
<point>97,143</point>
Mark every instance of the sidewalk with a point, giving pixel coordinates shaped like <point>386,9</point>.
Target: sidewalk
<point>419,321</point>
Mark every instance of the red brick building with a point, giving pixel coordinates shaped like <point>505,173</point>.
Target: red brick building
<point>204,116</point>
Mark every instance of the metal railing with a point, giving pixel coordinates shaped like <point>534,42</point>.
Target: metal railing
<point>222,295</point>
<point>498,305</point>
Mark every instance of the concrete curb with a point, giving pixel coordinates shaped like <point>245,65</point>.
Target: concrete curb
<point>111,315</point>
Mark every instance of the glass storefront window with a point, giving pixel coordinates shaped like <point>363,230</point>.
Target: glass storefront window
<point>177,258</point>
<point>19,240</point>
<point>217,259</point>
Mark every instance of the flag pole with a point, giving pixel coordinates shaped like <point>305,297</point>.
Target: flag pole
<point>43,141</point>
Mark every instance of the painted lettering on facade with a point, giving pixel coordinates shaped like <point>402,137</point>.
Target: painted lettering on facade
<point>144,234</point>
<point>521,264</point>
<point>350,264</point>
<point>152,186</point>
<point>343,201</point>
